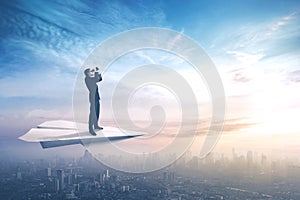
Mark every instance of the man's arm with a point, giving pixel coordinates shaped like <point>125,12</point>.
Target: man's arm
<point>98,75</point>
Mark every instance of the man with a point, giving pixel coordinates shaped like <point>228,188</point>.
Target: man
<point>92,77</point>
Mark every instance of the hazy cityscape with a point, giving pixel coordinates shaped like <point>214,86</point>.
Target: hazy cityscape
<point>238,176</point>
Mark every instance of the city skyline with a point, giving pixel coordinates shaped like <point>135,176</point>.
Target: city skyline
<point>246,175</point>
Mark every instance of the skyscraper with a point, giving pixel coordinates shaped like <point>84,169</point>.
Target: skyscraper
<point>56,185</point>
<point>48,171</point>
<point>60,178</point>
<point>19,174</point>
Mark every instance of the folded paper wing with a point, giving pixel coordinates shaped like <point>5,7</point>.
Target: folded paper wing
<point>61,133</point>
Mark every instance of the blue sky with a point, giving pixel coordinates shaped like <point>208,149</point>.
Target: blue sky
<point>44,43</point>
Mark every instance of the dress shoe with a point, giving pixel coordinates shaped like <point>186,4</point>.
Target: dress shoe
<point>98,128</point>
<point>92,132</point>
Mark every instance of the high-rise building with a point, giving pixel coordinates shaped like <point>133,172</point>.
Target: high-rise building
<point>249,158</point>
<point>250,162</point>
<point>106,173</point>
<point>101,178</point>
<point>165,176</point>
<point>70,179</point>
<point>19,174</point>
<point>234,155</point>
<point>56,185</point>
<point>48,171</point>
<point>60,177</point>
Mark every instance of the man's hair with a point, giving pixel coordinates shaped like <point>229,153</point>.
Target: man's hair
<point>87,71</point>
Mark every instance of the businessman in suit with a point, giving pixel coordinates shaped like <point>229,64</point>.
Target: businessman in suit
<point>92,77</point>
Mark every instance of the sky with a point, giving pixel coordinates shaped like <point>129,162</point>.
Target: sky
<point>254,45</point>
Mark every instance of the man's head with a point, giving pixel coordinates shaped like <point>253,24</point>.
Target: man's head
<point>89,72</point>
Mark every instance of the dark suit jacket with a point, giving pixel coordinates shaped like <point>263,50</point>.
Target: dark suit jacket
<point>91,83</point>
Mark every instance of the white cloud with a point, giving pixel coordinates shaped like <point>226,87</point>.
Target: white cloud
<point>143,55</point>
<point>175,39</point>
<point>246,58</point>
<point>250,42</point>
<point>40,84</point>
<point>48,114</point>
<point>282,22</point>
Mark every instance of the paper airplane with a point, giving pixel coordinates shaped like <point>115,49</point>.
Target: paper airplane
<point>61,133</point>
